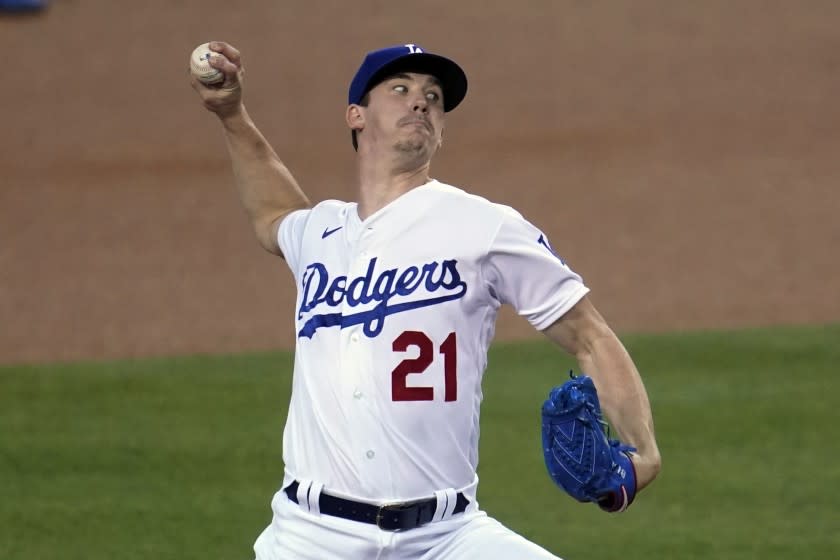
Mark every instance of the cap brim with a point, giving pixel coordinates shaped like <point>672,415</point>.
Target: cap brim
<point>452,78</point>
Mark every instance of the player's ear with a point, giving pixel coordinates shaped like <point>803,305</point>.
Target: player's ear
<point>355,117</point>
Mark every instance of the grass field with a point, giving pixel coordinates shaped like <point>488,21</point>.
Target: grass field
<point>178,458</point>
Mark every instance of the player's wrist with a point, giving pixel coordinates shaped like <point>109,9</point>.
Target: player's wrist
<point>235,118</point>
<point>623,480</point>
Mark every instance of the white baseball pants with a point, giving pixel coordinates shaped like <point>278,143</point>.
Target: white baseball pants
<point>297,534</point>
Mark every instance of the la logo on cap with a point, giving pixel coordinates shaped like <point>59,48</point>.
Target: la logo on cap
<point>413,49</point>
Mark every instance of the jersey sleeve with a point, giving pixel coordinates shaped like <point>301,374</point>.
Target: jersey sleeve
<point>521,269</point>
<point>290,236</point>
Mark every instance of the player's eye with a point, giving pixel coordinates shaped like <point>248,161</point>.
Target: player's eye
<point>400,88</point>
<point>433,96</point>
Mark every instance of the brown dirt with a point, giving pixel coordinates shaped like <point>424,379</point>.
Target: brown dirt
<point>683,159</point>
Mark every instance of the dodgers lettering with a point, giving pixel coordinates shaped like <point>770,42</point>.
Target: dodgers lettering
<point>319,291</point>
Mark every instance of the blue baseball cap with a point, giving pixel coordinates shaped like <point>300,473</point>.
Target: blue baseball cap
<point>379,65</point>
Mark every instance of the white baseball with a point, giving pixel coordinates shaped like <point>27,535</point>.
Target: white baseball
<point>200,65</point>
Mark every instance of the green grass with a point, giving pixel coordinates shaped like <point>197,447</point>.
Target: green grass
<point>178,458</point>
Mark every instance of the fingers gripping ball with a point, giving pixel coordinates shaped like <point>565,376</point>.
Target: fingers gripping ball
<point>578,453</point>
<point>200,65</point>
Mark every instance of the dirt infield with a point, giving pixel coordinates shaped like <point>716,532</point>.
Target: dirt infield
<point>684,160</point>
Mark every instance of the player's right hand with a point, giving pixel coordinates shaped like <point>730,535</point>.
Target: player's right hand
<point>225,98</point>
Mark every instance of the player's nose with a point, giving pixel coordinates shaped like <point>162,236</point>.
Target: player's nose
<point>420,104</point>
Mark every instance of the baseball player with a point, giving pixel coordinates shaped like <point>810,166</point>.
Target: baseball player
<point>397,295</point>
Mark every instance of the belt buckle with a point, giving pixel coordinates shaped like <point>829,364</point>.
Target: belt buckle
<point>392,507</point>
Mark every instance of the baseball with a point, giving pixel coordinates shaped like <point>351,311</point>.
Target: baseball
<point>200,65</point>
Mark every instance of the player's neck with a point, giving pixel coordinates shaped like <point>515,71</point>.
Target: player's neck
<point>379,185</point>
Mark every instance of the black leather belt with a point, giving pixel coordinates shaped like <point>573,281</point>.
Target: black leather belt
<point>399,516</point>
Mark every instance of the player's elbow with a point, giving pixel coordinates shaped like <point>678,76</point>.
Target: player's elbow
<point>656,464</point>
<point>648,467</point>
<point>655,467</point>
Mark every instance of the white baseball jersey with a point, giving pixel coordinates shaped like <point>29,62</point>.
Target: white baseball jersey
<point>394,318</point>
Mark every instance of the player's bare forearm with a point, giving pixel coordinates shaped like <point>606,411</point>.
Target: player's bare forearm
<point>624,400</point>
<point>602,356</point>
<point>267,189</point>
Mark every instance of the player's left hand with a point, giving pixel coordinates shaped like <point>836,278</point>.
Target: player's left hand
<point>578,453</point>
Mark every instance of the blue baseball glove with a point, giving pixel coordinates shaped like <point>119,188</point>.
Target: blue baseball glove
<point>578,453</point>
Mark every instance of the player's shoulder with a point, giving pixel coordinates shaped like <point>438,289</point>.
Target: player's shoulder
<point>326,211</point>
<point>471,206</point>
<point>330,206</point>
<point>454,195</point>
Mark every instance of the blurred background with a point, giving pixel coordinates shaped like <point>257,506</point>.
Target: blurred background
<point>683,157</point>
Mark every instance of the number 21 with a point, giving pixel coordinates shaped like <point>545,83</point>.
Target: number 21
<point>400,391</point>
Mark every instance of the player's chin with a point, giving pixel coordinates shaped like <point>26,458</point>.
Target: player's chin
<point>417,145</point>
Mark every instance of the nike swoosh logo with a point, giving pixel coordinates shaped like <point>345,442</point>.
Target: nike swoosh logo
<point>328,232</point>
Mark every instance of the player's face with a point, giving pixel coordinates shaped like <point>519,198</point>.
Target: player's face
<point>406,112</point>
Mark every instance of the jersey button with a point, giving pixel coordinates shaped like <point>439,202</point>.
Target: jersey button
<point>370,454</point>
<point>357,394</point>
<point>354,337</point>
